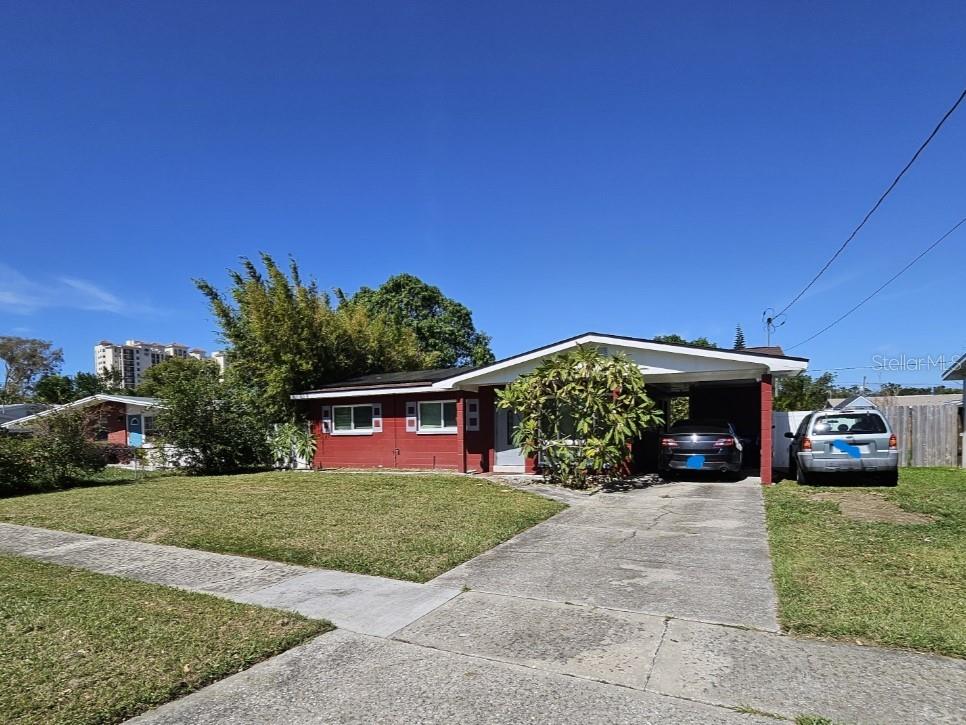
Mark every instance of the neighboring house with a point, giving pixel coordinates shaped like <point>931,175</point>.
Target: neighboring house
<point>880,400</point>
<point>20,410</point>
<point>124,419</point>
<point>447,419</point>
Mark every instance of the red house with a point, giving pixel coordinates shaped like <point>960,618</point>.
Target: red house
<point>447,419</point>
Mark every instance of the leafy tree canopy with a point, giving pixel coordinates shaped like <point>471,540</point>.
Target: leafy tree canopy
<point>24,361</point>
<point>803,392</point>
<point>443,327</point>
<point>60,389</point>
<point>675,339</point>
<point>214,426</point>
<point>284,335</point>
<point>170,372</point>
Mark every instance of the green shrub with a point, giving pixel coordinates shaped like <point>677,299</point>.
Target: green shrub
<point>579,411</point>
<point>16,469</point>
<point>64,447</point>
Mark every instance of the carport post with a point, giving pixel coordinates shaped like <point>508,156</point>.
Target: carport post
<point>766,429</point>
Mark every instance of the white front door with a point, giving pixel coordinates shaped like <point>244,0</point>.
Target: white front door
<point>507,458</point>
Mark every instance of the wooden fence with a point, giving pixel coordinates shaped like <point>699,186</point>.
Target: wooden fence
<point>928,435</point>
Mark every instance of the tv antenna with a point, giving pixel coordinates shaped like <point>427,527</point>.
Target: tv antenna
<point>772,322</point>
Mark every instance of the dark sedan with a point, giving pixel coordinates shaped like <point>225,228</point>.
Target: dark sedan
<point>701,445</point>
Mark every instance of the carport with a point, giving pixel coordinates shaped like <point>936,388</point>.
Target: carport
<point>746,404</point>
<point>734,385</point>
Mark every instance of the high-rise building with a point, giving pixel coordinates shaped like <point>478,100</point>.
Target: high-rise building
<point>130,360</point>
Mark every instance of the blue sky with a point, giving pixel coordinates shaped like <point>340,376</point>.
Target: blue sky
<point>636,168</point>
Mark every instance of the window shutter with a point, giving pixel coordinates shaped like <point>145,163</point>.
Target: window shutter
<point>411,417</point>
<point>377,417</point>
<point>472,414</point>
<point>326,419</point>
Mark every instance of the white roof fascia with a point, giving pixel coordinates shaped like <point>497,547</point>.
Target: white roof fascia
<point>364,392</point>
<point>82,403</point>
<point>775,365</point>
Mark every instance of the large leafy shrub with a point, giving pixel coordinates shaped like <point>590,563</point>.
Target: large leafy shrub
<point>208,426</point>
<point>16,469</point>
<point>579,411</point>
<point>64,448</point>
<point>291,443</point>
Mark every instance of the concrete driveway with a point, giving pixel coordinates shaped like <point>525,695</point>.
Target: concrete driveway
<point>688,550</point>
<point>648,606</point>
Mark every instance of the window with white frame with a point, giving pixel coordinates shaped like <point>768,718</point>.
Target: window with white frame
<point>437,416</point>
<point>352,418</point>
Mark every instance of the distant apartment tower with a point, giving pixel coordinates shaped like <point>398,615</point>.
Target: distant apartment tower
<point>134,357</point>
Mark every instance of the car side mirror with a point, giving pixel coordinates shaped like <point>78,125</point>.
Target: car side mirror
<point>789,434</point>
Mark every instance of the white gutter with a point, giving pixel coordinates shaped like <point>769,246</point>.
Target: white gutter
<point>364,392</point>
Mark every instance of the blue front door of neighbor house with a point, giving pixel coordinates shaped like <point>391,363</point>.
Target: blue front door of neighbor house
<point>135,432</point>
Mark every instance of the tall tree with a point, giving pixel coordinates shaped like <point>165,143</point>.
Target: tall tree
<point>803,392</point>
<point>25,360</point>
<point>284,335</point>
<point>55,389</point>
<point>443,326</point>
<point>739,339</point>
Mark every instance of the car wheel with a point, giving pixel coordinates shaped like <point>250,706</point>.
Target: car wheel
<point>890,478</point>
<point>801,478</point>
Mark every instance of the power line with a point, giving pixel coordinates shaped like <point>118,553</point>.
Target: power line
<point>892,279</point>
<point>877,204</point>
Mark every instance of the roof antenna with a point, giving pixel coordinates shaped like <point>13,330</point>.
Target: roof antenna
<point>772,322</point>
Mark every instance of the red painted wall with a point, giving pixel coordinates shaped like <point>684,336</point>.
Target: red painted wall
<point>766,429</point>
<point>114,419</point>
<point>395,447</point>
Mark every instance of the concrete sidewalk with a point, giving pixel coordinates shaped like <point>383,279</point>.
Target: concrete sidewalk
<point>363,604</point>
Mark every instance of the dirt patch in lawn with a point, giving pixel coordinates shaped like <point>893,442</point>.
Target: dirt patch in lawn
<point>872,507</point>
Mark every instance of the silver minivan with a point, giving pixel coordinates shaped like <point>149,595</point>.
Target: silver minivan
<point>848,440</point>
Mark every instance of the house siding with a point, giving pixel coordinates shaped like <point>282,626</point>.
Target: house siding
<point>396,447</point>
<point>114,418</point>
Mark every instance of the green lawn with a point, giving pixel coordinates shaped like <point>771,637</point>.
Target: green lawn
<point>901,585</point>
<point>404,526</point>
<point>79,647</point>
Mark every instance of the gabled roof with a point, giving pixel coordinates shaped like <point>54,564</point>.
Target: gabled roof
<point>15,411</point>
<point>856,401</point>
<point>762,361</point>
<point>956,371</point>
<point>768,361</point>
<point>85,403</point>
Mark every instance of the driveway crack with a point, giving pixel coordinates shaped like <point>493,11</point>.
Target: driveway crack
<point>657,650</point>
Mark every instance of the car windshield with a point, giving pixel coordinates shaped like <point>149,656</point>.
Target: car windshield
<point>700,426</point>
<point>849,423</point>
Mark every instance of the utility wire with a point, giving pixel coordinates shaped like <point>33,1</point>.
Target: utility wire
<point>877,204</point>
<point>892,279</point>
